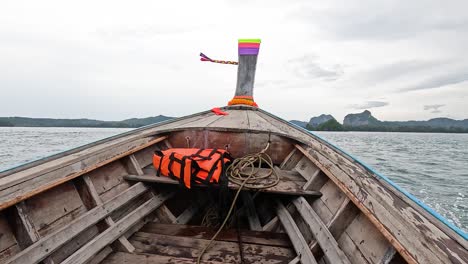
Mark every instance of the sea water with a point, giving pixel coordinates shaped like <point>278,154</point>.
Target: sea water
<point>433,167</point>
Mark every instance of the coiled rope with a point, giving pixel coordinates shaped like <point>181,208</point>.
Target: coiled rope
<point>243,172</point>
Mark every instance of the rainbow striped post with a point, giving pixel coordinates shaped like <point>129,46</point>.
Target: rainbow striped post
<point>248,52</point>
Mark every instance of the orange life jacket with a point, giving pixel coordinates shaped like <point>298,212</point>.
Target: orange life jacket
<point>190,166</point>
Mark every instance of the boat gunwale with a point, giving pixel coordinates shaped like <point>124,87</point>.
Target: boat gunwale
<point>8,171</point>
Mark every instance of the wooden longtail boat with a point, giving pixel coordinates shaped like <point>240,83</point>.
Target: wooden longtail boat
<point>103,203</point>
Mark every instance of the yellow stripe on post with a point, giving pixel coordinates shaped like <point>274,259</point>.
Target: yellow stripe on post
<point>250,41</point>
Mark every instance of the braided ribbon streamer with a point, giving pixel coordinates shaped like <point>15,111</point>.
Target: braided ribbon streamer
<point>206,58</point>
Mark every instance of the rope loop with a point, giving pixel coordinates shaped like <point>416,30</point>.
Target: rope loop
<point>245,173</point>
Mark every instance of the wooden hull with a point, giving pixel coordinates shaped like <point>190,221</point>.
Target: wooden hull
<point>102,203</point>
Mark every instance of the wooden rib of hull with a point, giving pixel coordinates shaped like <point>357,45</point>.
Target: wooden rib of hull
<point>86,205</point>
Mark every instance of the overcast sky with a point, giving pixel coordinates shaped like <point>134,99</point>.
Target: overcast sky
<point>113,60</point>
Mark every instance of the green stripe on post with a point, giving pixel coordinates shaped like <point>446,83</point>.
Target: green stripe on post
<point>250,41</point>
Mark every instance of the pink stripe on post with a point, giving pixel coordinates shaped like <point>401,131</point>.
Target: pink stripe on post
<point>249,45</point>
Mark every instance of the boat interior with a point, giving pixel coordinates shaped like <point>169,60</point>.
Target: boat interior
<point>103,203</point>
<point>119,211</point>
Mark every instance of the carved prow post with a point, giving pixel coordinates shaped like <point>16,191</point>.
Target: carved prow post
<point>248,52</point>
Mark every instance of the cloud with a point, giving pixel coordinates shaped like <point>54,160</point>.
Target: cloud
<point>433,108</point>
<point>392,71</point>
<point>390,20</point>
<point>270,83</point>
<point>308,67</point>
<point>438,81</point>
<point>368,105</point>
<point>141,31</point>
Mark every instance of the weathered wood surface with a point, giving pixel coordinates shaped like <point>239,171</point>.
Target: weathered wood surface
<point>133,166</point>
<point>26,232</point>
<point>320,232</point>
<point>227,252</point>
<point>229,235</point>
<point>389,210</point>
<point>125,258</point>
<point>48,244</point>
<point>252,216</point>
<point>122,242</point>
<point>49,214</point>
<point>239,142</point>
<point>246,75</point>
<point>342,218</point>
<point>24,184</point>
<point>239,119</point>
<point>85,253</point>
<point>300,245</point>
<point>283,187</point>
<point>417,221</point>
<point>257,123</point>
<point>8,244</point>
<point>190,211</point>
<point>103,254</point>
<point>399,222</point>
<point>291,160</point>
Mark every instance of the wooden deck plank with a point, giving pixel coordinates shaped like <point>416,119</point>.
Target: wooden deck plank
<point>229,235</point>
<point>234,119</point>
<point>283,187</point>
<point>228,252</point>
<point>85,253</point>
<point>125,258</point>
<point>257,122</point>
<point>321,233</point>
<point>48,244</point>
<point>289,175</point>
<point>300,245</point>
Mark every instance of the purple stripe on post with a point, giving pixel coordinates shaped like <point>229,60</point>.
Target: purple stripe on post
<point>248,51</point>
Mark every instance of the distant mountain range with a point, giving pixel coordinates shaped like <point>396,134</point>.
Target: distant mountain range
<point>49,122</point>
<point>352,122</point>
<point>366,122</point>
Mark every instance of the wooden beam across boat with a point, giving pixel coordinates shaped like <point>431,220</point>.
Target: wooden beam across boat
<point>283,187</point>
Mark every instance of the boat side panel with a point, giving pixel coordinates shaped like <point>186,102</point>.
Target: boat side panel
<point>54,208</point>
<point>108,177</point>
<point>8,244</point>
<point>145,156</point>
<point>238,143</point>
<point>365,237</point>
